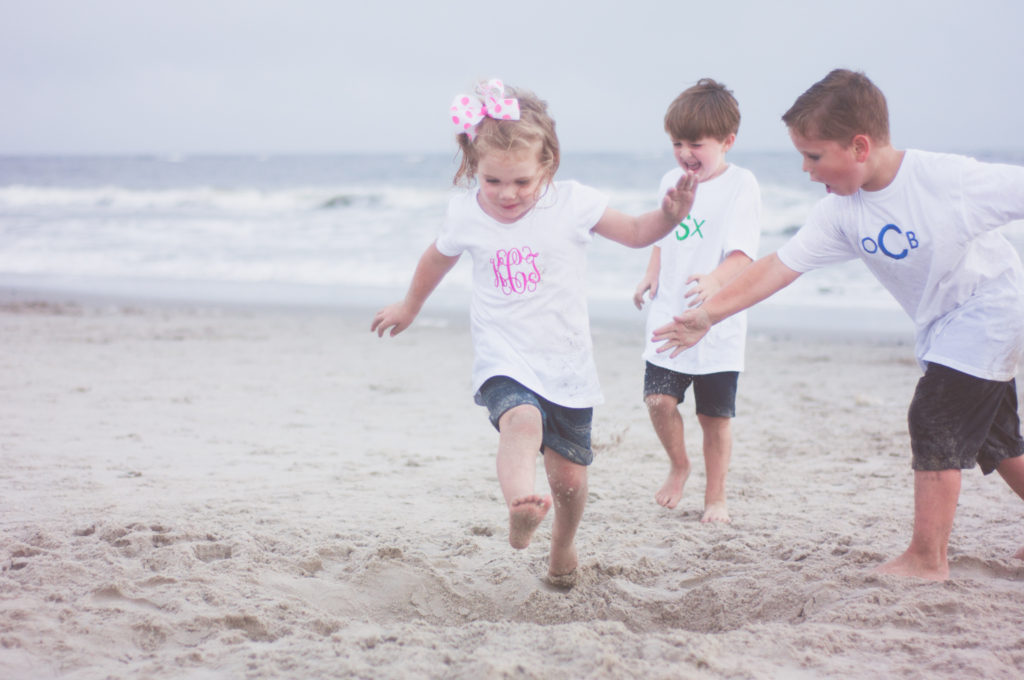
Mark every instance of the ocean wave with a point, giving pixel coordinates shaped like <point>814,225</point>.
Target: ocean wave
<point>21,198</point>
<point>326,222</point>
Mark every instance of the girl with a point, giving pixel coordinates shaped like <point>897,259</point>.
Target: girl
<point>533,364</point>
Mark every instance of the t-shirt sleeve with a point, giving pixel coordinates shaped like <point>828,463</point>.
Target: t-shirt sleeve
<point>745,219</point>
<point>993,194</point>
<point>449,241</point>
<point>668,180</point>
<point>820,242</point>
<point>588,206</point>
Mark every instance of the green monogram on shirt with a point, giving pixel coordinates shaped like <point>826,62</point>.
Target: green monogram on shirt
<point>690,226</point>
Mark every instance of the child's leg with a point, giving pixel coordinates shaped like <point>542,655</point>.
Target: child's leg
<point>717,452</point>
<point>935,497</point>
<point>519,439</point>
<point>1012,471</point>
<point>668,425</point>
<point>568,481</point>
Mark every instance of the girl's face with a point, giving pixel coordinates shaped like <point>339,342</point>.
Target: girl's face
<point>704,157</point>
<point>511,182</point>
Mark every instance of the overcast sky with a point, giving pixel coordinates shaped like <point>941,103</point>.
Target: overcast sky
<point>262,76</point>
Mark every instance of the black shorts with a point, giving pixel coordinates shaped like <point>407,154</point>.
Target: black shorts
<point>714,393</point>
<point>957,420</point>
<point>566,431</point>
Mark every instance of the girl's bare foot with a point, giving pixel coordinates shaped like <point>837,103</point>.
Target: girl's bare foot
<point>562,567</point>
<point>524,514</point>
<point>1020,554</point>
<point>672,490</point>
<point>564,581</point>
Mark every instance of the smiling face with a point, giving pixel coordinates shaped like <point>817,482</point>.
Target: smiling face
<point>704,157</point>
<point>511,182</point>
<point>832,164</point>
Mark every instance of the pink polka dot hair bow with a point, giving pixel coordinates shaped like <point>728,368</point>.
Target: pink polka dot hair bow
<point>468,110</point>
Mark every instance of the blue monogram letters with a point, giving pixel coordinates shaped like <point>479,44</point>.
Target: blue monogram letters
<point>873,246</point>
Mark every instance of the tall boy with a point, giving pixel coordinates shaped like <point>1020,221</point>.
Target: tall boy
<point>924,223</point>
<point>717,239</point>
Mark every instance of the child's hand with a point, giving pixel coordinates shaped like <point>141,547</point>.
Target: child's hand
<point>648,285</point>
<point>705,286</point>
<point>397,317</point>
<point>683,332</point>
<point>679,199</point>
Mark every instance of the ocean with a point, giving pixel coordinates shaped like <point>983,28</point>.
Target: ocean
<point>341,229</point>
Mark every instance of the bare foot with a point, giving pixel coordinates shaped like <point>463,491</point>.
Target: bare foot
<point>716,512</point>
<point>524,514</point>
<point>672,490</point>
<point>564,581</point>
<point>1019,554</point>
<point>909,564</point>
<point>562,567</point>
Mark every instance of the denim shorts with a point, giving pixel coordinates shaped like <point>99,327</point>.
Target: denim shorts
<point>566,431</point>
<point>714,393</point>
<point>957,420</point>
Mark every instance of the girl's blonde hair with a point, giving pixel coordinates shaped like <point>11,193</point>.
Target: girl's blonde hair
<point>534,126</point>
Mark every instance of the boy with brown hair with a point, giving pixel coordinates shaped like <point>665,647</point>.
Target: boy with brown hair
<point>718,238</point>
<point>926,225</point>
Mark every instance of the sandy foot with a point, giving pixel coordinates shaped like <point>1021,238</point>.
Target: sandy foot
<point>524,514</point>
<point>564,581</point>
<point>672,490</point>
<point>562,568</point>
<point>716,512</point>
<point>910,565</point>
<point>1019,554</point>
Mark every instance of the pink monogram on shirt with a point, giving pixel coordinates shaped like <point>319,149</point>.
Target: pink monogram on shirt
<point>515,270</point>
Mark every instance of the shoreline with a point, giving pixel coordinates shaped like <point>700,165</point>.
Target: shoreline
<point>866,324</point>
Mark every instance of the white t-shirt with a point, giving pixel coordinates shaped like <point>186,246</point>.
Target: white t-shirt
<point>929,238</point>
<point>529,314</point>
<point>726,217</point>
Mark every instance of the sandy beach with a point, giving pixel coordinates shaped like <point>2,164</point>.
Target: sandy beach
<point>192,491</point>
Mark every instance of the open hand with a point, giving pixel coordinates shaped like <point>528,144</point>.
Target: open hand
<point>683,332</point>
<point>397,317</point>
<point>678,200</point>
<point>705,285</point>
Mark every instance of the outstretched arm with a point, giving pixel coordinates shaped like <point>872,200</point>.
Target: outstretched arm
<point>643,230</point>
<point>432,267</point>
<point>760,280</point>
<point>706,285</point>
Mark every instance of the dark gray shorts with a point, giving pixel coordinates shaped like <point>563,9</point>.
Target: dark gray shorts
<point>566,431</point>
<point>714,393</point>
<point>957,420</point>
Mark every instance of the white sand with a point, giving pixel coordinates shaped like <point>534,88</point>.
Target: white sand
<point>192,492</point>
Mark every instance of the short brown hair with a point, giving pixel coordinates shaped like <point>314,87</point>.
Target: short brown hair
<point>839,107</point>
<point>534,126</point>
<point>707,109</point>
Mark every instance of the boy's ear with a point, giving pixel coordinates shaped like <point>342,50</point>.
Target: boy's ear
<point>861,145</point>
<point>729,141</point>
